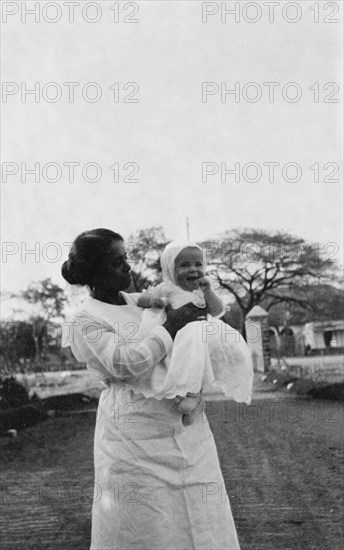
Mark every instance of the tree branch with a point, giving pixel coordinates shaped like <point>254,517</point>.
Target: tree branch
<point>232,291</point>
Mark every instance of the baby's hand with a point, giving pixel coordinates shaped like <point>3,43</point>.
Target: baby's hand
<point>157,303</point>
<point>204,284</point>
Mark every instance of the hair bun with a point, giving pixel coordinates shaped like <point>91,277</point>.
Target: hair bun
<point>67,273</point>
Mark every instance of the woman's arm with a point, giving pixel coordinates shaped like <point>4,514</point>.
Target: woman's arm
<point>102,349</point>
<point>124,360</point>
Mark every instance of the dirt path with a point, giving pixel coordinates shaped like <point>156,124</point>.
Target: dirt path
<point>282,460</point>
<point>47,480</point>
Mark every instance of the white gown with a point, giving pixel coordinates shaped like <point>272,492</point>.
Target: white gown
<point>158,484</point>
<point>208,355</point>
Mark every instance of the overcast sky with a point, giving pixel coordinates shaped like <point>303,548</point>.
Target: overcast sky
<point>169,132</point>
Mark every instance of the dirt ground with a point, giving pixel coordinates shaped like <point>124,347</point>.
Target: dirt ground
<point>282,461</point>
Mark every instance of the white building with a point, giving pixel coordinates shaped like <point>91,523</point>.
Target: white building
<point>316,336</point>
<point>324,335</point>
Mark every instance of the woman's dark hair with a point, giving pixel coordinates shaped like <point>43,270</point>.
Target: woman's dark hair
<point>87,256</point>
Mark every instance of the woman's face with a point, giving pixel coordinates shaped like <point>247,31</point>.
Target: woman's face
<point>115,275</point>
<point>188,268</point>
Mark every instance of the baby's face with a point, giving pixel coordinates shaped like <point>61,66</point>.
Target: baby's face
<point>188,268</point>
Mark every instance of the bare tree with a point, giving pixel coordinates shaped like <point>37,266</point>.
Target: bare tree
<point>259,267</point>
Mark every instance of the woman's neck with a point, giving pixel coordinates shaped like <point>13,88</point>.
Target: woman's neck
<point>109,297</point>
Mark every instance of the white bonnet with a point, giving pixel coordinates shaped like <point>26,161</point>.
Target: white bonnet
<point>169,255</point>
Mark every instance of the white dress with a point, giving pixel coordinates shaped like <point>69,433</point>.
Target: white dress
<point>158,484</point>
<point>208,355</point>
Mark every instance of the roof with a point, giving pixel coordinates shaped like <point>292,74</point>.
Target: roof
<point>327,325</point>
<point>257,311</point>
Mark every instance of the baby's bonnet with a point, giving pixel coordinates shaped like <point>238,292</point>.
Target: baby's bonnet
<point>169,255</point>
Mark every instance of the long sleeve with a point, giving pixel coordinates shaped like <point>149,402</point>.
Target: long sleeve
<point>105,352</point>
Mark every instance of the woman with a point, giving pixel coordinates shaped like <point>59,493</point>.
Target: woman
<point>158,483</point>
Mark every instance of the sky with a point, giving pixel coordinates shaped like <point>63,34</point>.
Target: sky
<point>151,100</point>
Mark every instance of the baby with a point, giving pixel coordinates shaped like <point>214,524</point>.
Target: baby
<point>190,284</point>
<point>200,358</point>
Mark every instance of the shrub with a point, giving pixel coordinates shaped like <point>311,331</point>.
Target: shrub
<point>12,393</point>
<point>21,418</point>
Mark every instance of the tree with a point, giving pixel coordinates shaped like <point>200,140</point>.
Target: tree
<point>144,249</point>
<point>48,301</point>
<point>258,267</point>
<point>17,346</point>
<point>323,303</point>
<point>49,298</point>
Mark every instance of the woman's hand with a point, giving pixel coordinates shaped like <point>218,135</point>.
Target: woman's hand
<point>157,303</point>
<point>176,319</point>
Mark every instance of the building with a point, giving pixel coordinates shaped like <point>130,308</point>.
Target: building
<point>315,338</point>
<point>324,335</point>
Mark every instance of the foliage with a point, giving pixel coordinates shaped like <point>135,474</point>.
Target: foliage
<point>17,346</point>
<point>12,393</point>
<point>258,267</point>
<point>144,249</point>
<point>323,303</point>
<point>49,296</point>
<point>50,300</point>
<point>25,343</point>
